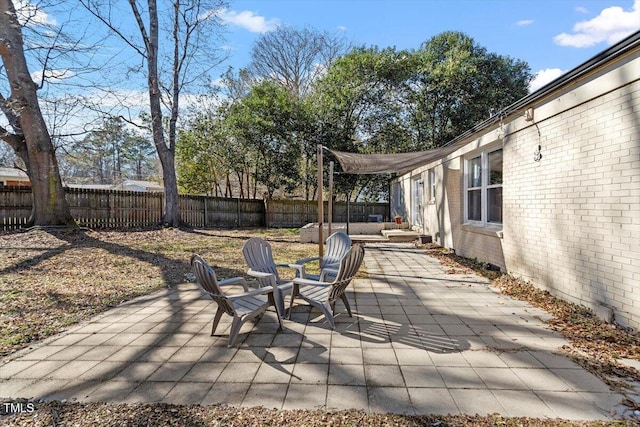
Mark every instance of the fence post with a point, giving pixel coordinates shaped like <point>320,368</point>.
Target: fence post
<point>266,212</point>
<point>112,211</point>
<point>205,201</point>
<point>162,203</point>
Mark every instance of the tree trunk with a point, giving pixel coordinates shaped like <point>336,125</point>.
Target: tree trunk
<point>171,211</point>
<point>31,139</point>
<point>171,216</point>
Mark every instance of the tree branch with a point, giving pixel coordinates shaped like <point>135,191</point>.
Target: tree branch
<point>115,30</point>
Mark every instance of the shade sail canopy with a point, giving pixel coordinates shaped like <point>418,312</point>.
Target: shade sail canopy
<point>400,163</point>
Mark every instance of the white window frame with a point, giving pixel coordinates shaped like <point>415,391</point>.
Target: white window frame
<point>483,187</point>
<point>417,200</point>
<point>432,185</point>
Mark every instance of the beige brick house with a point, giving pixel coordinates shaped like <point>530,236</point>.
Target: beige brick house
<point>548,189</point>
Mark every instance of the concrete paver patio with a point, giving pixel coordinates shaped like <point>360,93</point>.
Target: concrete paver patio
<point>421,342</point>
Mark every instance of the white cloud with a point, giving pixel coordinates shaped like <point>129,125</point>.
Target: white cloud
<point>29,13</point>
<point>543,77</point>
<point>90,107</point>
<point>610,26</point>
<point>342,28</point>
<point>249,21</point>
<point>130,99</point>
<point>524,22</point>
<point>51,75</point>
<point>120,98</point>
<point>582,9</point>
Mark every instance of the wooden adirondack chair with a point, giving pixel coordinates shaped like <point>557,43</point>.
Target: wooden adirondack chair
<point>242,307</point>
<point>324,294</point>
<point>259,257</point>
<point>337,246</point>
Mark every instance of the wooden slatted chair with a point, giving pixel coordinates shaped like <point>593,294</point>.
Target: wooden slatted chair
<point>324,294</point>
<point>258,254</point>
<point>242,307</point>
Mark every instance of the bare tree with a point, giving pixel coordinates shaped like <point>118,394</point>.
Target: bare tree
<point>27,132</point>
<point>295,57</point>
<point>176,53</point>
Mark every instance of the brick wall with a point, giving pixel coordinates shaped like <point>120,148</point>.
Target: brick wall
<point>572,219</point>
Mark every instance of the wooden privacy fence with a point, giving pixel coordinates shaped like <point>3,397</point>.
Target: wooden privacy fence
<point>123,209</point>
<point>203,212</point>
<point>15,207</point>
<point>114,209</point>
<point>296,213</point>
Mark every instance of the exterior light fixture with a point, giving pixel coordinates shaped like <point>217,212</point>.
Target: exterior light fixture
<point>537,155</point>
<point>528,115</point>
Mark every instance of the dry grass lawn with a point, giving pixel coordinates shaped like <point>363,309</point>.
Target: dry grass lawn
<point>50,280</point>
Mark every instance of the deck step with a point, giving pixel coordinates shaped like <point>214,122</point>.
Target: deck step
<point>400,235</point>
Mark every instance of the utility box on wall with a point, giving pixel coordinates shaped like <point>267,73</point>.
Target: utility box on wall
<point>425,239</point>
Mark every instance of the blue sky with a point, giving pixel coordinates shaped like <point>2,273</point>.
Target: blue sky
<point>552,36</point>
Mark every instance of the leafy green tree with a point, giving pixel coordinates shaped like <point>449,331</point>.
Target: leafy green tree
<point>197,164</point>
<point>265,121</point>
<point>375,100</point>
<point>455,85</point>
<point>209,161</point>
<point>110,154</point>
<point>360,108</point>
<point>138,157</point>
<point>210,157</point>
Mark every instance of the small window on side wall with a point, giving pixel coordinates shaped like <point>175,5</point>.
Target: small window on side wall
<point>432,185</point>
<point>398,196</point>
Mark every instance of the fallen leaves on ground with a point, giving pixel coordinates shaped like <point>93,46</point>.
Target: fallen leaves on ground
<point>105,414</point>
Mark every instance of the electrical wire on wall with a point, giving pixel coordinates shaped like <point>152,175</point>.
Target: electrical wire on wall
<point>528,116</point>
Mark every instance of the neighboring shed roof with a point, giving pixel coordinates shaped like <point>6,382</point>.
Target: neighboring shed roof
<point>402,163</point>
<point>90,186</point>
<point>134,185</point>
<point>15,173</point>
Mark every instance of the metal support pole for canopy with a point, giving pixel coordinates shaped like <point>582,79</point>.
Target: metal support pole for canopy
<point>320,204</point>
<point>330,201</point>
<point>348,210</point>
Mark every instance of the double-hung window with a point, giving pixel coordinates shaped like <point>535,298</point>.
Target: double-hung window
<point>483,187</point>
